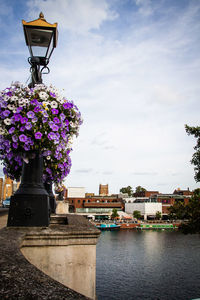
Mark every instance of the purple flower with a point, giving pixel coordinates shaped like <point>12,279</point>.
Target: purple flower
<point>24,120</point>
<point>54,111</point>
<point>28,126</point>
<point>26,147</point>
<point>22,128</point>
<point>38,135</point>
<point>67,105</point>
<point>11,130</point>
<point>48,170</point>
<point>15,145</point>
<point>54,127</point>
<point>23,138</point>
<point>47,153</point>
<point>19,109</point>
<point>17,117</point>
<point>52,95</point>
<point>6,113</point>
<point>51,135</point>
<point>34,101</point>
<point>62,116</point>
<point>37,109</point>
<point>30,114</point>
<point>44,120</point>
<point>56,120</point>
<point>14,138</point>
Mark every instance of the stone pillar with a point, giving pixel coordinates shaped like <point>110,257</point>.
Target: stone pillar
<point>66,253</point>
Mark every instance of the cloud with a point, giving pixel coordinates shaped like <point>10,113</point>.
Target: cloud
<point>144,173</point>
<point>84,170</point>
<point>74,15</point>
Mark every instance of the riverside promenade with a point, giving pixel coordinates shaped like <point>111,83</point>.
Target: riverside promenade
<point>19,278</point>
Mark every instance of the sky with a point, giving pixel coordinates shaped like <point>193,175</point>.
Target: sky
<point>132,67</point>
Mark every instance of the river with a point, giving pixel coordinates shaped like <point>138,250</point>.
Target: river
<point>148,265</point>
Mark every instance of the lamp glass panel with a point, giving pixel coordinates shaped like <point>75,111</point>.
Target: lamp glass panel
<point>39,51</point>
<point>39,37</point>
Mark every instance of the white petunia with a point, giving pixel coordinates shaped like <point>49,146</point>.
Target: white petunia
<point>14,98</point>
<point>2,131</point>
<point>7,121</point>
<point>10,106</point>
<point>43,95</point>
<point>54,104</point>
<point>6,98</point>
<point>48,157</point>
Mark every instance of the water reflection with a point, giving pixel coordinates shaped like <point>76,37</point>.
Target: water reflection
<point>148,265</point>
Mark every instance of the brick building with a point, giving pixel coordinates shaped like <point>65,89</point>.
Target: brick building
<point>103,190</point>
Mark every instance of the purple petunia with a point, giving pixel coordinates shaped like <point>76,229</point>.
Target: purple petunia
<point>30,114</point>
<point>23,138</point>
<point>11,130</point>
<point>28,125</point>
<point>6,113</point>
<point>54,111</point>
<point>14,138</point>
<point>24,120</point>
<point>38,135</point>
<point>56,120</point>
<point>51,135</point>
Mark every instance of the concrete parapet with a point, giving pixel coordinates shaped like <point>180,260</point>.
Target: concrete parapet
<point>67,253</point>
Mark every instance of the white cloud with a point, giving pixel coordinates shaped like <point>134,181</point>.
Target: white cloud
<point>75,15</point>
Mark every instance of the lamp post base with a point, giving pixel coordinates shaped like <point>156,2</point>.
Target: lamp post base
<point>29,211</point>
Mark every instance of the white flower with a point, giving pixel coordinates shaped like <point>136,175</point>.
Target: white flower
<point>14,98</point>
<point>54,104</point>
<point>7,121</point>
<point>43,95</point>
<point>10,106</point>
<point>2,131</point>
<point>6,98</point>
<point>14,110</point>
<point>22,102</point>
<point>48,157</point>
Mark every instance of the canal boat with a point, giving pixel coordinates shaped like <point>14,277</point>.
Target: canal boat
<point>105,226</point>
<point>156,226</point>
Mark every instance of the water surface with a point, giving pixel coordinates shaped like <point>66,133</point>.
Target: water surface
<point>148,265</point>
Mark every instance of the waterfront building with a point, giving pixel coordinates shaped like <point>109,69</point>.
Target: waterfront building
<point>146,208</point>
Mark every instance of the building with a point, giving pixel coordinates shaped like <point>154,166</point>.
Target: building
<point>103,190</point>
<point>147,209</point>
<point>75,192</point>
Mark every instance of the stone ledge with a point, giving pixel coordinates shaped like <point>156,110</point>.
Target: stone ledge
<point>21,280</point>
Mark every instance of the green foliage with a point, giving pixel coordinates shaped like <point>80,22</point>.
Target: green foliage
<point>137,214</point>
<point>178,211</point>
<point>195,131</point>
<point>192,225</point>
<point>139,189</point>
<point>114,213</point>
<point>158,215</point>
<point>127,190</point>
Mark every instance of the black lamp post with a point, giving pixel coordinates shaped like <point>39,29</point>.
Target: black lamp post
<point>41,39</point>
<point>30,205</point>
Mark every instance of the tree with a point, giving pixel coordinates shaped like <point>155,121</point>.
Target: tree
<point>139,189</point>
<point>114,213</point>
<point>137,214</point>
<point>192,225</point>
<point>178,211</point>
<point>195,131</point>
<point>158,215</point>
<point>127,190</point>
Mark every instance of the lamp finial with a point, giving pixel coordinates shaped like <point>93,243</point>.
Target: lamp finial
<point>41,16</point>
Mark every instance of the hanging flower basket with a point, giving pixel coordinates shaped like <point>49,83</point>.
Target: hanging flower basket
<point>37,120</point>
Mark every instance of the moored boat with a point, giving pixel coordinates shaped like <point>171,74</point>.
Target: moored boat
<point>156,226</point>
<point>108,226</point>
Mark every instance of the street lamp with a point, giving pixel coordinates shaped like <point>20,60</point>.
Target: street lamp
<point>31,203</point>
<point>41,39</point>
